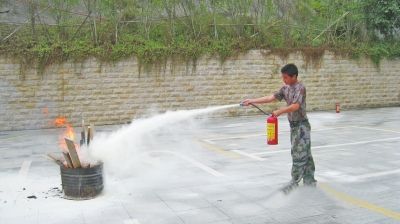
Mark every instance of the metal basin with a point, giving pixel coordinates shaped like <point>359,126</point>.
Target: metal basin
<point>82,183</point>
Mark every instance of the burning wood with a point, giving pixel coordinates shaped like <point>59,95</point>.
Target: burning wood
<point>83,133</point>
<point>70,149</point>
<point>82,141</point>
<point>80,180</point>
<point>55,159</point>
<point>89,134</point>
<point>68,159</point>
<point>72,153</point>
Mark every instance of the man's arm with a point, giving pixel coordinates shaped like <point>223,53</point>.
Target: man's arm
<point>265,99</point>
<point>287,109</point>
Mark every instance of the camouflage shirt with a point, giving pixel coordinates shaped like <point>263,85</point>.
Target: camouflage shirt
<point>294,94</point>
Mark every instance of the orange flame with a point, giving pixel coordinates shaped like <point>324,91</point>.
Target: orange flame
<point>68,133</point>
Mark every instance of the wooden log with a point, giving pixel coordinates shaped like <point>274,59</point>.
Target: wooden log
<point>68,159</point>
<point>55,159</point>
<point>72,152</point>
<point>82,141</point>
<point>83,137</point>
<point>89,135</point>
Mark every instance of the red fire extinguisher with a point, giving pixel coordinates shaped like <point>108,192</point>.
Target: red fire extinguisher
<point>272,127</point>
<point>272,130</point>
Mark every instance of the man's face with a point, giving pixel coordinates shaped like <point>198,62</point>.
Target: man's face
<point>288,80</point>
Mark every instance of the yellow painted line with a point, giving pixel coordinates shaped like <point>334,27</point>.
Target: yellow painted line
<point>360,203</point>
<point>219,150</point>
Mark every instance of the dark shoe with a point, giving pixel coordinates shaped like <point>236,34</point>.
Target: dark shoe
<point>289,187</point>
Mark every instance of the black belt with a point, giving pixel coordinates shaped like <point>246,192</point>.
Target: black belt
<point>297,123</point>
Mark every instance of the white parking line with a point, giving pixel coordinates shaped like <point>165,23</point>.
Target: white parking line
<point>355,143</point>
<point>376,129</point>
<point>211,140</point>
<point>272,152</point>
<point>332,146</point>
<point>194,162</point>
<point>255,156</point>
<point>251,156</point>
<point>377,174</point>
<point>24,170</point>
<point>23,173</point>
<point>343,177</point>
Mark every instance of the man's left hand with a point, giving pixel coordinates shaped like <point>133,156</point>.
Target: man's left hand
<point>276,113</point>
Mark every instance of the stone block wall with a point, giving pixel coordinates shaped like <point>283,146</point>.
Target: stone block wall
<point>115,93</point>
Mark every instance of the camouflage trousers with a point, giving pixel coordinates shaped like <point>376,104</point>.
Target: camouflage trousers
<point>303,164</point>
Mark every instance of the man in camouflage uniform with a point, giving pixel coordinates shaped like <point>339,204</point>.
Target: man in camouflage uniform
<point>294,94</point>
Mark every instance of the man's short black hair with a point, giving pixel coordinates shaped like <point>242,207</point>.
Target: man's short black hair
<point>290,70</point>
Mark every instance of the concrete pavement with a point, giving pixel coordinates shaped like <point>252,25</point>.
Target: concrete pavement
<point>218,170</point>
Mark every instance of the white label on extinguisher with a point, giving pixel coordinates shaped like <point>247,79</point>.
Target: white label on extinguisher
<point>270,131</point>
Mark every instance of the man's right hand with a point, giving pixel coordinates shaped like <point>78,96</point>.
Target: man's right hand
<point>246,102</point>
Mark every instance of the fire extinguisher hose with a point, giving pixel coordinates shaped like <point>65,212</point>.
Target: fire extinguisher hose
<point>259,109</point>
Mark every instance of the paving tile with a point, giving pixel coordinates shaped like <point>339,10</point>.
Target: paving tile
<point>184,205</point>
<point>203,215</point>
<point>183,199</point>
<point>235,209</point>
